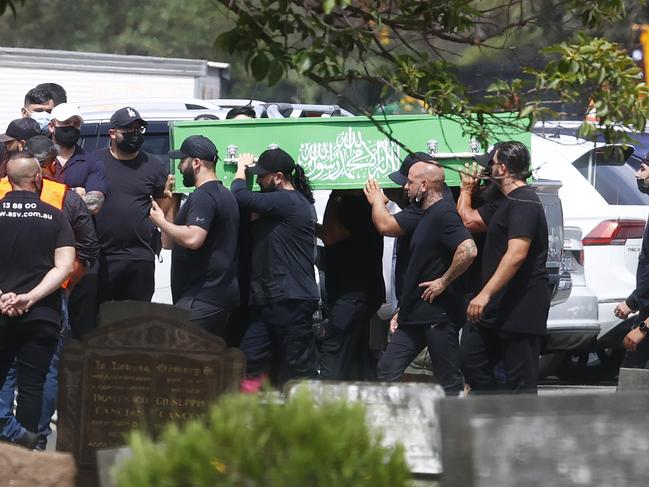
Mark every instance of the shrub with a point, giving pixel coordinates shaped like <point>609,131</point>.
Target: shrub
<point>244,442</point>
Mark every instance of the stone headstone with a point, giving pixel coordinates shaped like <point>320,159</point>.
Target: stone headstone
<point>633,380</point>
<point>567,440</point>
<point>146,365</point>
<point>405,413</point>
<point>20,467</point>
<point>109,461</point>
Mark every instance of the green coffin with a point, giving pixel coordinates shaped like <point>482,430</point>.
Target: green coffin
<point>339,152</point>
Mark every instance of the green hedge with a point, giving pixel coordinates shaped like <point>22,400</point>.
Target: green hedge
<point>244,442</point>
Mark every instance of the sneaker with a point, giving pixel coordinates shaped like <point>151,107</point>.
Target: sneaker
<point>28,440</point>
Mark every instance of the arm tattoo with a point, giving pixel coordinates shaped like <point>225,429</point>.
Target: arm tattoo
<point>464,255</point>
<point>94,201</point>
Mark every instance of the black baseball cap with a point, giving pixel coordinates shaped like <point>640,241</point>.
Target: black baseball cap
<point>273,160</point>
<point>196,146</point>
<point>400,177</point>
<point>43,148</point>
<point>485,159</point>
<point>125,117</point>
<point>21,129</point>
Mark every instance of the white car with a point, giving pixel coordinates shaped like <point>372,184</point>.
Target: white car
<point>599,197</point>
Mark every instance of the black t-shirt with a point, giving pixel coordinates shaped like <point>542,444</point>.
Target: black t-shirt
<point>433,245</point>
<point>354,265</point>
<point>283,245</point>
<point>31,231</point>
<point>123,226</point>
<point>522,305</point>
<point>408,219</point>
<point>210,272</point>
<point>472,278</point>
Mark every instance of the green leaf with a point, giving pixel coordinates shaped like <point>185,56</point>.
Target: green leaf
<point>259,66</point>
<point>276,73</point>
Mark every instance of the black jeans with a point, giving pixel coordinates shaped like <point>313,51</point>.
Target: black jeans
<point>83,305</point>
<point>483,348</point>
<point>443,343</point>
<point>209,316</point>
<point>280,335</point>
<point>120,280</point>
<point>345,352</point>
<point>31,344</point>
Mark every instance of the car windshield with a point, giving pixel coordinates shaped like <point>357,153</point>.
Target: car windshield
<point>613,180</point>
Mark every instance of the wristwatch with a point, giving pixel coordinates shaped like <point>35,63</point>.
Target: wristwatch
<point>642,326</point>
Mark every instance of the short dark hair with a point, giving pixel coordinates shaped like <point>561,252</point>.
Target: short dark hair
<point>246,110</point>
<point>37,96</point>
<point>206,116</point>
<point>57,91</point>
<point>516,158</point>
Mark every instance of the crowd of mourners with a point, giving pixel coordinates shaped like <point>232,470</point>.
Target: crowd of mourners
<point>79,229</point>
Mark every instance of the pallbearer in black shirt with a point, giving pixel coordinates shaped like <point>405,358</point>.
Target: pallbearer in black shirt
<point>510,312</point>
<point>36,257</point>
<point>431,307</point>
<point>204,237</point>
<point>127,237</point>
<point>283,290</point>
<point>354,283</point>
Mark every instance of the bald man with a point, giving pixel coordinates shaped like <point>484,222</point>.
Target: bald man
<point>431,307</point>
<point>36,257</point>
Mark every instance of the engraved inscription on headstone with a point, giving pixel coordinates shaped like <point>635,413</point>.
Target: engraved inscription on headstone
<point>405,413</point>
<point>145,366</point>
<point>509,441</point>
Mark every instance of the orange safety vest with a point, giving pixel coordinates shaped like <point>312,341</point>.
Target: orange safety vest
<point>53,193</point>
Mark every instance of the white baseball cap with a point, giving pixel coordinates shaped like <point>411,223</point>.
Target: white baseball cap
<point>66,111</point>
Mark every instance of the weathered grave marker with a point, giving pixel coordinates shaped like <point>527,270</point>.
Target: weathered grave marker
<point>144,366</point>
<point>403,412</point>
<point>511,441</point>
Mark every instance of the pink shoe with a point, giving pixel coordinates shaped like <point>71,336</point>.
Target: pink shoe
<point>253,385</point>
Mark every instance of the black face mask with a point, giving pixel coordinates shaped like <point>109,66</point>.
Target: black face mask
<point>641,186</point>
<point>189,178</point>
<point>67,136</point>
<point>130,142</point>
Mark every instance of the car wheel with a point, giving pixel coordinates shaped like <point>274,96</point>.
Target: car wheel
<point>591,367</point>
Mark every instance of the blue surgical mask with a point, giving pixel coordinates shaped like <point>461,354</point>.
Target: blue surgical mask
<point>43,118</point>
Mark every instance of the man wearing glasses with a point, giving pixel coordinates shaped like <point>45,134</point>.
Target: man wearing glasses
<point>127,237</point>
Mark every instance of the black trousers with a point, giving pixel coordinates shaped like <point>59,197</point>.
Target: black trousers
<point>483,348</point>
<point>31,344</point>
<point>83,305</point>
<point>442,340</point>
<point>280,339</point>
<point>120,280</point>
<point>344,350</point>
<point>209,316</point>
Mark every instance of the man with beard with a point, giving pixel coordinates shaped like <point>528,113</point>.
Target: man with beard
<point>128,239</point>
<point>283,290</point>
<point>637,347</point>
<point>431,307</point>
<point>509,314</point>
<point>204,237</point>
